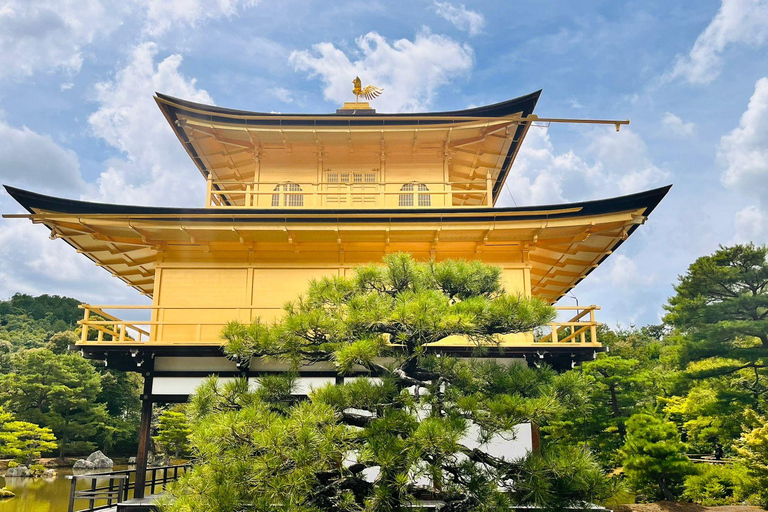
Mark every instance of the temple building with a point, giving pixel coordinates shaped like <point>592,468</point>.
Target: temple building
<point>291,197</point>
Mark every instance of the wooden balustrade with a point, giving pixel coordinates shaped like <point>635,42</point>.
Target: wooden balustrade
<point>581,328</point>
<point>575,329</point>
<point>293,194</point>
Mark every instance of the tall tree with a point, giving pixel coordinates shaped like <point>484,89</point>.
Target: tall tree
<point>408,432</point>
<point>58,391</point>
<point>722,301</point>
<point>721,310</point>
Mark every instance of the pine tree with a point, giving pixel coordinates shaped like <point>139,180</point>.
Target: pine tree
<point>404,433</point>
<point>654,457</point>
<point>173,433</point>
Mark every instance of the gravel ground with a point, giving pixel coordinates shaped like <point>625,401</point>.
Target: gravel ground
<point>670,506</point>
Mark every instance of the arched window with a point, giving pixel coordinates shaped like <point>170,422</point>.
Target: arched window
<point>408,199</point>
<point>291,199</point>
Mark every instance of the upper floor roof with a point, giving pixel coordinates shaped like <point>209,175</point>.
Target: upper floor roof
<point>476,147</point>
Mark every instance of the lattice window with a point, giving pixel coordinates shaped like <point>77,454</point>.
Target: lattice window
<point>407,199</point>
<point>291,199</point>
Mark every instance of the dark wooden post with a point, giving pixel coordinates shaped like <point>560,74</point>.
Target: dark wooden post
<point>144,431</point>
<point>535,438</point>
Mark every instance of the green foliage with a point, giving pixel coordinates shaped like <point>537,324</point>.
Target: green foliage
<point>22,440</point>
<point>60,342</point>
<point>28,324</point>
<point>58,391</point>
<point>37,469</point>
<point>654,457</point>
<point>753,451</point>
<point>723,301</point>
<point>381,445</point>
<point>173,433</point>
<point>717,485</point>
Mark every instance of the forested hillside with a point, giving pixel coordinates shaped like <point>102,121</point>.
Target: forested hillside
<point>44,385</point>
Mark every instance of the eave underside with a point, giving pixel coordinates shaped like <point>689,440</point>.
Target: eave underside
<point>561,244</point>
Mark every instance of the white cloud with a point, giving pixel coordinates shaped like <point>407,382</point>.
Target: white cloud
<point>750,225</point>
<point>623,273</point>
<point>282,94</point>
<point>744,151</point>
<point>28,158</point>
<point>461,17</point>
<point>677,126</point>
<point>31,262</point>
<point>410,72</point>
<point>736,22</point>
<point>162,15</point>
<point>612,164</point>
<point>155,168</point>
<point>47,35</point>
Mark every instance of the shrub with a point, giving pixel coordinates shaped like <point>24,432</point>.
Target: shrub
<point>13,464</point>
<point>37,469</point>
<point>654,457</point>
<point>717,485</point>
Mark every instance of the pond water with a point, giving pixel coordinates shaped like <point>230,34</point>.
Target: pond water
<point>43,494</point>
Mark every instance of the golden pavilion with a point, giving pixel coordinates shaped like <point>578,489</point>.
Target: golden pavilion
<point>291,197</point>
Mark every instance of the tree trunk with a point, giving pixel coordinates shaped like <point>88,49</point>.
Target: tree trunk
<point>665,489</point>
<point>615,411</point>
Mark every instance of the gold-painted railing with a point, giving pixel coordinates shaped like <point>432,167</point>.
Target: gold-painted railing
<point>576,329</point>
<point>376,194</point>
<point>98,326</point>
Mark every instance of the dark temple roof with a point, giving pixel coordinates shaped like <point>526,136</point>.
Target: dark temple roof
<point>648,200</point>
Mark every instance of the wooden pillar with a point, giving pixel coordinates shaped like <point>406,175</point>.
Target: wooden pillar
<point>535,438</point>
<point>144,432</point>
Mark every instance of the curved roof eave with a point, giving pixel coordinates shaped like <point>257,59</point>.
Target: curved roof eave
<point>647,200</point>
<point>523,104</point>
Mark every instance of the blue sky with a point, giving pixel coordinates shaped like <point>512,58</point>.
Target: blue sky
<point>77,117</point>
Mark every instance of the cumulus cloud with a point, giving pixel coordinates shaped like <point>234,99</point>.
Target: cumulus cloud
<point>410,72</point>
<point>742,22</point>
<point>29,158</point>
<point>154,168</point>
<point>623,273</point>
<point>31,262</point>
<point>46,35</point>
<point>611,164</point>
<point>462,18</point>
<point>162,15</point>
<point>676,126</point>
<point>750,225</point>
<point>282,94</point>
<point>744,151</point>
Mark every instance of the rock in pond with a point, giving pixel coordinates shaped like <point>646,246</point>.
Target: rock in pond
<point>84,464</point>
<point>99,460</point>
<point>132,460</point>
<point>18,471</point>
<point>6,493</point>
